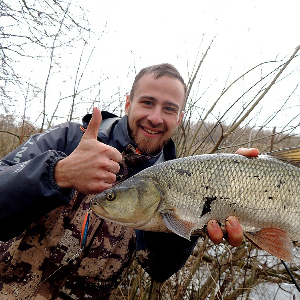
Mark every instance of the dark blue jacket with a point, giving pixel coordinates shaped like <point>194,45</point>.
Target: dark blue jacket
<point>28,190</point>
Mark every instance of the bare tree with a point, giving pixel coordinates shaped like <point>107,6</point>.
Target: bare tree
<point>36,33</point>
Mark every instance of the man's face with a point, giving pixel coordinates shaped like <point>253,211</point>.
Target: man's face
<point>155,111</point>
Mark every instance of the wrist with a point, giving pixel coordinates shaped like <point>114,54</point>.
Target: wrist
<point>66,193</point>
<point>59,174</point>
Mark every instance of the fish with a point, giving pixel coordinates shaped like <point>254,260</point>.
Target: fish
<point>182,195</point>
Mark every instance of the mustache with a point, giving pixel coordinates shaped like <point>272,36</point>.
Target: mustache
<point>154,126</point>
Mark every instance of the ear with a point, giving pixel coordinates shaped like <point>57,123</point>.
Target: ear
<point>127,104</point>
<point>180,117</point>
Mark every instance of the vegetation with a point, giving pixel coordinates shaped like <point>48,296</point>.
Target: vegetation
<point>12,135</point>
<point>234,116</point>
<point>223,272</point>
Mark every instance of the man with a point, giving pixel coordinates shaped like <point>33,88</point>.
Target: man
<point>42,256</point>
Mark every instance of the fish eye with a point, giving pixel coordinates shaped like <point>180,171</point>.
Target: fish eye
<point>110,196</point>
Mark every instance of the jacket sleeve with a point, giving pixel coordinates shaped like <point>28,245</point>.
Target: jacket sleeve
<point>27,187</point>
<point>162,254</point>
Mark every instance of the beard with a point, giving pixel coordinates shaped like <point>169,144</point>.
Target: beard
<point>146,145</point>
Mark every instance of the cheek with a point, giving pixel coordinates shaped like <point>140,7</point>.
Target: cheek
<point>137,114</point>
<point>172,124</point>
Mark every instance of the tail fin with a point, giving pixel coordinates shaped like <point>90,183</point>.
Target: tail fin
<point>288,155</point>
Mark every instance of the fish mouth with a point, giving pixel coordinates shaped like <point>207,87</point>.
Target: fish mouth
<point>99,210</point>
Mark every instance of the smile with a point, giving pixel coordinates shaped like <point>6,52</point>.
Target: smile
<point>151,131</point>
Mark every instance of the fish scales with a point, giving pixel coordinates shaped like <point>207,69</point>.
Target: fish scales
<point>262,192</point>
<point>182,195</point>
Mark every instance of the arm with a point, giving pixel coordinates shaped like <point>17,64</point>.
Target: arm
<point>43,173</point>
<point>162,254</point>
<point>27,187</point>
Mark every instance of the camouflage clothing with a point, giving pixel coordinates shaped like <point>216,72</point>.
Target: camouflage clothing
<point>45,262</point>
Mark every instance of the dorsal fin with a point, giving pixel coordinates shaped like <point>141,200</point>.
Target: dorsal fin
<point>288,155</point>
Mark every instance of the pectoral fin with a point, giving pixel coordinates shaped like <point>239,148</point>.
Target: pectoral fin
<point>273,240</point>
<point>179,226</point>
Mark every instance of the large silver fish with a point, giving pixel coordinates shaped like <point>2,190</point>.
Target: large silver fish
<point>182,195</point>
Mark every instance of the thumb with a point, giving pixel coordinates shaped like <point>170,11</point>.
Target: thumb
<point>93,127</point>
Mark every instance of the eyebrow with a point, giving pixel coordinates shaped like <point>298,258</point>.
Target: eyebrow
<point>168,103</point>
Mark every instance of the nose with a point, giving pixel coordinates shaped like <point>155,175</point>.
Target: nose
<point>155,116</point>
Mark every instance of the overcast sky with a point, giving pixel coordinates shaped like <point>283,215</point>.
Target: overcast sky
<point>135,34</point>
<point>150,32</point>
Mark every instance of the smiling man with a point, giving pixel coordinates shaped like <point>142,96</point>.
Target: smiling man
<point>154,110</point>
<point>43,256</point>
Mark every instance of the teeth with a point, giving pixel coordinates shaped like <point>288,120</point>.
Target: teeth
<point>150,131</point>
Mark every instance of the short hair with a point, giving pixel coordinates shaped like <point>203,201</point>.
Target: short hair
<point>159,71</point>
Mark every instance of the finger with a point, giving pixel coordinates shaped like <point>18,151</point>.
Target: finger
<point>94,124</point>
<point>251,152</point>
<point>234,231</point>
<point>92,133</point>
<point>214,231</point>
<point>96,188</point>
<point>113,154</point>
<point>107,178</point>
<point>109,162</point>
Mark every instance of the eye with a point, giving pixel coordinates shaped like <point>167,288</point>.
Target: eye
<point>110,196</point>
<point>170,109</point>
<point>147,103</point>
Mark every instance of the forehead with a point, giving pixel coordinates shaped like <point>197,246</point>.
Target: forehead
<point>164,88</point>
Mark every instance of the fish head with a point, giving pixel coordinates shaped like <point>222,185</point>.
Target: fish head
<point>132,203</point>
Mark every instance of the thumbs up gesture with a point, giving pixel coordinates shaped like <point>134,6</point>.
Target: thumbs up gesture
<point>92,166</point>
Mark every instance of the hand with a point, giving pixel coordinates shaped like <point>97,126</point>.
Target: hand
<point>250,152</point>
<point>92,166</point>
<point>233,229</point>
